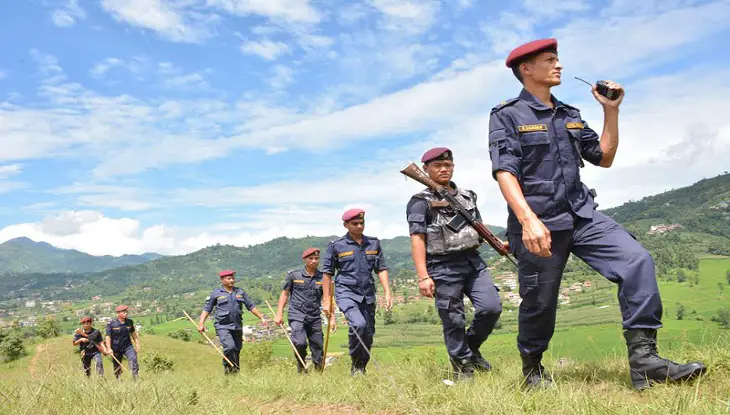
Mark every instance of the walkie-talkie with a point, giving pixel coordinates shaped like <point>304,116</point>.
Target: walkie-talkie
<point>603,89</point>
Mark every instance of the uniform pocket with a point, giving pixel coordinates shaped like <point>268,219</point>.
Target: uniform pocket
<point>529,287</point>
<point>539,195</point>
<point>535,146</point>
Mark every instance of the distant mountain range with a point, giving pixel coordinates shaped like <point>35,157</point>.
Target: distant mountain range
<point>22,255</point>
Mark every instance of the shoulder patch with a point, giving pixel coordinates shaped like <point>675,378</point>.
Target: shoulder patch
<point>207,298</point>
<point>346,253</point>
<point>504,104</point>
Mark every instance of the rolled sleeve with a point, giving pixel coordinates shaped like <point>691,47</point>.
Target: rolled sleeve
<point>504,148</point>
<point>288,283</point>
<point>382,266</point>
<point>328,262</point>
<point>248,302</point>
<point>590,145</point>
<point>209,303</point>
<point>416,213</point>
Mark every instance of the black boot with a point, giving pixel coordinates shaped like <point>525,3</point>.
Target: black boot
<point>463,369</point>
<point>479,363</point>
<point>357,367</point>
<point>317,366</point>
<point>535,375</point>
<point>303,353</point>
<point>648,367</point>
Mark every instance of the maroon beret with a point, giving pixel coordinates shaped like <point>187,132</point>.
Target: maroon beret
<point>529,48</point>
<point>121,308</point>
<point>309,251</point>
<point>437,153</point>
<point>352,214</point>
<point>84,319</point>
<point>226,273</point>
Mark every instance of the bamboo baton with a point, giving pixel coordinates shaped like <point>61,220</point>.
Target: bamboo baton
<point>209,340</point>
<point>304,365</point>
<point>329,329</point>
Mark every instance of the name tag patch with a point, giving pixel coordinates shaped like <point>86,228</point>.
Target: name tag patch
<point>318,282</point>
<point>344,254</point>
<point>574,125</point>
<point>299,281</point>
<point>531,128</point>
<point>375,252</point>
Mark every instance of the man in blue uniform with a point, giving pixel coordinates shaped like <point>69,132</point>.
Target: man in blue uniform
<point>447,263</point>
<point>123,341</point>
<point>229,301</point>
<point>537,146</point>
<point>304,285</point>
<point>354,257</point>
<point>91,346</point>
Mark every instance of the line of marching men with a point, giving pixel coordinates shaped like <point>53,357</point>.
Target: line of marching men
<point>537,145</point>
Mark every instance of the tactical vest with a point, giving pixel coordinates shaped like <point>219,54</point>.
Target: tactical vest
<point>446,233</point>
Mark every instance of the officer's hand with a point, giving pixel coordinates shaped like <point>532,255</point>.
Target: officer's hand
<point>265,322</point>
<point>607,103</point>
<point>278,320</point>
<point>388,300</point>
<point>536,237</point>
<point>333,324</point>
<point>426,287</point>
<point>84,340</point>
<point>201,328</point>
<point>326,307</point>
<point>137,348</point>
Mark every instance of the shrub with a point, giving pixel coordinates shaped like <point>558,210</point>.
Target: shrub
<point>12,347</point>
<point>157,362</point>
<point>256,355</point>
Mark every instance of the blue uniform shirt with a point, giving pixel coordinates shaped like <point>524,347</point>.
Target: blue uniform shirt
<point>89,348</point>
<point>355,264</point>
<point>449,267</point>
<point>305,294</point>
<point>120,334</point>
<point>543,148</point>
<point>228,307</point>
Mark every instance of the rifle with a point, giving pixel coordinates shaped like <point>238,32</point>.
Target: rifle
<point>415,173</point>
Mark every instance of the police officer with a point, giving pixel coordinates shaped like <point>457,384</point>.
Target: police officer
<point>228,301</point>
<point>448,265</point>
<point>123,341</point>
<point>537,144</point>
<point>354,257</point>
<point>304,285</point>
<point>91,346</point>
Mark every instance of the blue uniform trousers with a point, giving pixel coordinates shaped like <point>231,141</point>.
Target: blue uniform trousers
<point>479,287</point>
<point>86,363</point>
<point>606,247</point>
<point>309,329</point>
<point>131,356</point>
<point>232,343</point>
<point>361,319</point>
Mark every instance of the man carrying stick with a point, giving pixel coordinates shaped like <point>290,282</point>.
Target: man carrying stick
<point>305,288</point>
<point>123,341</point>
<point>228,301</point>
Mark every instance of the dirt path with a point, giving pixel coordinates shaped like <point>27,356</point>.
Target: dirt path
<point>35,363</point>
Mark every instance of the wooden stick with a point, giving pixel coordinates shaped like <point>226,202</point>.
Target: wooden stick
<point>304,365</point>
<point>209,340</point>
<point>329,328</point>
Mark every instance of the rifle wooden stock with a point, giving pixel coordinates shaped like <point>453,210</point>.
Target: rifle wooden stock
<point>415,173</point>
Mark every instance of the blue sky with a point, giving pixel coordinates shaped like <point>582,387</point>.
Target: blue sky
<point>168,125</point>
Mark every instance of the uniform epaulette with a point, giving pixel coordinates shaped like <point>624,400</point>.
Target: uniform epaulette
<point>292,270</point>
<point>506,103</point>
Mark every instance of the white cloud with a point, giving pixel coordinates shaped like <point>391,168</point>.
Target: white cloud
<point>283,76</point>
<point>68,15</point>
<point>10,170</point>
<point>173,20</point>
<point>111,196</point>
<point>101,68</point>
<point>265,48</point>
<point>290,11</point>
<point>411,16</point>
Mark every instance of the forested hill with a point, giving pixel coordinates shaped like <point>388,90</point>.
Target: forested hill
<point>703,207</point>
<point>23,255</point>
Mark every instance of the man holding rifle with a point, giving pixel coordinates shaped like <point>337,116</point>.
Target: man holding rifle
<point>537,144</point>
<point>304,286</point>
<point>444,250</point>
<point>91,346</point>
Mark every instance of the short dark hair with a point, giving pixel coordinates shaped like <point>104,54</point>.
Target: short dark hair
<point>528,58</point>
